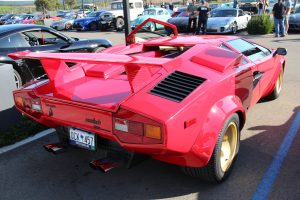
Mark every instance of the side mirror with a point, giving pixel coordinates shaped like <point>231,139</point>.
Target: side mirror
<point>280,51</point>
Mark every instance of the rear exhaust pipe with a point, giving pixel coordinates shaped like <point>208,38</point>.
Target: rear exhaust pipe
<point>103,165</point>
<point>54,148</point>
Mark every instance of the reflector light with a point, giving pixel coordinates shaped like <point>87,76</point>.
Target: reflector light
<point>121,125</point>
<point>19,101</point>
<point>36,105</point>
<point>152,131</point>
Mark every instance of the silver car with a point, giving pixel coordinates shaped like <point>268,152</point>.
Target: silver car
<point>64,24</point>
<point>294,20</point>
<point>227,20</point>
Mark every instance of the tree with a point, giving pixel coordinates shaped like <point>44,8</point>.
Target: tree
<point>71,3</point>
<point>43,5</point>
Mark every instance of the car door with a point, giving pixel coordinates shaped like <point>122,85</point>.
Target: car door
<point>44,40</point>
<point>242,46</point>
<point>265,62</point>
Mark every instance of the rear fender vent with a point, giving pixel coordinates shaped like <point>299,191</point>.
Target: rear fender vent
<point>177,86</point>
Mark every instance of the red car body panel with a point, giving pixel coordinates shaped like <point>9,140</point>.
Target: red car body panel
<point>117,83</point>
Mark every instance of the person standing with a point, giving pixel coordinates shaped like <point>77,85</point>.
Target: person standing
<point>191,10</point>
<point>260,6</point>
<point>288,7</point>
<point>278,13</point>
<point>203,10</point>
<point>235,4</point>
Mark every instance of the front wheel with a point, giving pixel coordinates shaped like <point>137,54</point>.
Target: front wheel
<point>224,155</point>
<point>152,27</point>
<point>93,26</point>
<point>234,28</point>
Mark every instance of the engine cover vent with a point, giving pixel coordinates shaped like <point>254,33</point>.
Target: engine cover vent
<point>177,86</point>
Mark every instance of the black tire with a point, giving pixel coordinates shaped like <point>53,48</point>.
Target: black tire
<point>68,26</point>
<point>18,79</point>
<point>98,49</point>
<point>103,27</point>
<point>93,26</point>
<point>213,171</point>
<point>234,28</point>
<point>119,24</point>
<point>277,88</point>
<point>152,27</point>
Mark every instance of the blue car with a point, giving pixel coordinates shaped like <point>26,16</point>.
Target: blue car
<point>156,13</point>
<point>90,22</point>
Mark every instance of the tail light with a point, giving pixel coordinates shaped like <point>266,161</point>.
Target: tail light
<point>29,103</point>
<point>130,127</point>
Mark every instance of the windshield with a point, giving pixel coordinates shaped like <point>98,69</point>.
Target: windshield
<point>117,6</point>
<point>149,12</point>
<point>183,14</point>
<point>224,13</point>
<point>93,14</point>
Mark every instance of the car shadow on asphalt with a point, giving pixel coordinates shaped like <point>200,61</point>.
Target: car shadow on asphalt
<point>68,175</point>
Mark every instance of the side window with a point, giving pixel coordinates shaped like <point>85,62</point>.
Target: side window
<point>160,12</point>
<point>41,38</point>
<point>14,41</point>
<point>130,5</point>
<point>241,13</point>
<point>252,51</point>
<point>138,4</point>
<point>244,61</point>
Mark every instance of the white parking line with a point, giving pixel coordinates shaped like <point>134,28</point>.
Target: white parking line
<point>26,141</point>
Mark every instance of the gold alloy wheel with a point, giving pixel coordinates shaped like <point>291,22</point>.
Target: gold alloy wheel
<point>279,81</point>
<point>229,145</point>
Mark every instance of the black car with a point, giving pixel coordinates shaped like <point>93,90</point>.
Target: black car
<point>21,37</point>
<point>180,21</point>
<point>4,18</point>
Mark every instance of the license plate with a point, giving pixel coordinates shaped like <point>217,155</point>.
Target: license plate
<point>82,139</point>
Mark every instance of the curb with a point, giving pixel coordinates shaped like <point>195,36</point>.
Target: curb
<point>26,141</point>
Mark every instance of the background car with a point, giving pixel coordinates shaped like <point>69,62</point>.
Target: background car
<point>155,13</point>
<point>178,11</point>
<point>18,19</point>
<point>294,21</point>
<point>180,21</point>
<point>4,18</point>
<point>227,20</point>
<point>23,37</point>
<point>248,5</point>
<point>90,22</point>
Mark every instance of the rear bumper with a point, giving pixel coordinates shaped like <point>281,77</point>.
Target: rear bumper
<point>156,151</point>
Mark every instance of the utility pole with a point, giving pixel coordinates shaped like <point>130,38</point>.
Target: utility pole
<point>126,11</point>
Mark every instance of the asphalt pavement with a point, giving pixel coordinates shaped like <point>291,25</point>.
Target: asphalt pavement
<point>268,163</point>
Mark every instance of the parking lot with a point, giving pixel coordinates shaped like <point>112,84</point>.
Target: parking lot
<point>268,163</point>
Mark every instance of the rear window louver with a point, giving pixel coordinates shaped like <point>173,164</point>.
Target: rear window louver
<point>177,86</point>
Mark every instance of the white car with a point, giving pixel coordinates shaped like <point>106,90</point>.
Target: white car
<point>227,20</point>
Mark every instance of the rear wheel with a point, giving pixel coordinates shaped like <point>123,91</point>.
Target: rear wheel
<point>119,24</point>
<point>18,79</point>
<point>278,86</point>
<point>224,155</point>
<point>152,27</point>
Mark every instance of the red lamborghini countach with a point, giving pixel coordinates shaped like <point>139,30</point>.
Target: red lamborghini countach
<point>178,99</point>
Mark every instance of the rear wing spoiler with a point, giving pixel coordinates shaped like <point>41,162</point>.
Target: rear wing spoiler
<point>139,70</point>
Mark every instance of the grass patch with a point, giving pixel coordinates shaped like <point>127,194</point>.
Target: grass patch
<point>25,128</point>
<point>16,9</point>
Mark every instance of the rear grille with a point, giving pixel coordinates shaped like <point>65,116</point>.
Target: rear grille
<point>177,86</point>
